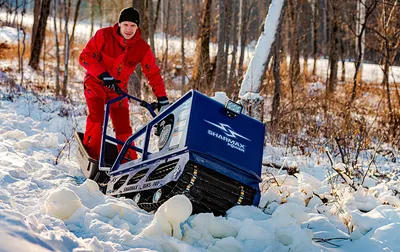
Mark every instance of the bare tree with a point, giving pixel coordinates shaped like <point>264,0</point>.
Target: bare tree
<point>151,24</point>
<point>36,13</point>
<point>235,14</point>
<point>166,27</point>
<point>67,8</point>
<point>201,68</point>
<point>389,33</point>
<point>182,10</point>
<point>294,12</point>
<point>333,51</point>
<point>92,10</point>
<point>76,15</point>
<point>368,10</point>
<point>100,5</point>
<point>276,99</point>
<point>221,67</point>
<point>228,29</point>
<point>245,13</point>
<point>55,10</point>
<point>252,82</point>
<point>40,34</point>
<point>314,6</point>
<point>21,54</point>
<point>157,14</point>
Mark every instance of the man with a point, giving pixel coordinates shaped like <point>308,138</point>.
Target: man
<point>110,57</point>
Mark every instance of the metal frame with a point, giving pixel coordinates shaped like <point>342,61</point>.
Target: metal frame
<point>144,130</point>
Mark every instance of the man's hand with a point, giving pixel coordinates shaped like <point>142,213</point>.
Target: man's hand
<point>109,82</point>
<point>162,103</point>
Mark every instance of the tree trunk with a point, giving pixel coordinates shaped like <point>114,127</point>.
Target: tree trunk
<point>294,67</point>
<point>67,8</point>
<point>305,36</point>
<point>151,25</point>
<point>182,9</point>
<point>343,57</point>
<point>201,68</point>
<point>315,7</point>
<point>76,14</point>
<point>92,10</point>
<point>325,24</point>
<point>276,99</point>
<point>360,38</point>
<point>100,5</point>
<point>221,67</point>
<point>36,13</point>
<point>140,5</point>
<point>245,13</point>
<point>386,85</point>
<point>333,51</point>
<point>157,14</point>
<point>251,85</point>
<point>235,38</point>
<point>55,9</point>
<point>359,49</point>
<point>21,54</point>
<point>228,28</point>
<point>40,35</point>
<point>166,39</point>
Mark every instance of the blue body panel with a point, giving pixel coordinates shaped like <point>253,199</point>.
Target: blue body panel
<point>203,133</point>
<point>237,141</point>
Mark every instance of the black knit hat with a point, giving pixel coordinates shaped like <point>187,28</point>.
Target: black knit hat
<point>129,14</point>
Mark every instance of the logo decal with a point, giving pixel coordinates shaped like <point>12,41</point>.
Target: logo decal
<point>230,137</point>
<point>227,130</point>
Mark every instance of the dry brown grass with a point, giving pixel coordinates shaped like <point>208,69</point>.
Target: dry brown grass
<point>312,122</point>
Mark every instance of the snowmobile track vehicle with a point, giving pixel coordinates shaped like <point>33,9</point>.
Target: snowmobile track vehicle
<point>207,151</point>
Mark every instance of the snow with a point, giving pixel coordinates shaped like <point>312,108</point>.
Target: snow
<point>9,35</point>
<point>51,207</point>
<point>169,216</point>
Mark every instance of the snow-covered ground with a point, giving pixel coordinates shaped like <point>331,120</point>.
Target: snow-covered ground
<point>51,207</point>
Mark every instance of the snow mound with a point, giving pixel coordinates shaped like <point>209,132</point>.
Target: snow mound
<point>169,216</point>
<point>387,236</point>
<point>62,203</point>
<point>23,236</point>
<point>16,134</point>
<point>380,216</point>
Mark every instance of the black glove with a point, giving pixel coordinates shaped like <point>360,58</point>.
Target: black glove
<point>162,103</point>
<point>109,82</point>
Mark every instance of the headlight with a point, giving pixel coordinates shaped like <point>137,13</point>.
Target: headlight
<point>233,109</point>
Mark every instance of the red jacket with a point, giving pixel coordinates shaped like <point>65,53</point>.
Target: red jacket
<point>108,51</point>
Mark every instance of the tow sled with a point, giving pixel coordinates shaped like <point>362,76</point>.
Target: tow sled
<point>207,151</point>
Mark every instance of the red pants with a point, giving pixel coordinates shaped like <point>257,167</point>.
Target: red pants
<point>96,97</point>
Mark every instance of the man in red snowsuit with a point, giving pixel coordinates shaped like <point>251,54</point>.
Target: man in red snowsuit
<point>110,57</point>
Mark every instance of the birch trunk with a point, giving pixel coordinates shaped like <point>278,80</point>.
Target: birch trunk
<point>251,85</point>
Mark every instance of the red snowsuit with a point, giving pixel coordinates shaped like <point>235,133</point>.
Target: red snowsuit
<point>109,51</point>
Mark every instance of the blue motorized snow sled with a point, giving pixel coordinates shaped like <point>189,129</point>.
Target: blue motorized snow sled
<point>207,151</point>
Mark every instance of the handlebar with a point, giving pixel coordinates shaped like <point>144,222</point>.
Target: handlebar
<point>149,106</point>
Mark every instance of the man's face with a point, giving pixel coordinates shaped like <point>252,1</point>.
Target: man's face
<point>128,29</point>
